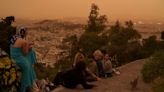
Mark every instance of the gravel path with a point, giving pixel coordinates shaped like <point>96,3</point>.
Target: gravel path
<point>118,83</point>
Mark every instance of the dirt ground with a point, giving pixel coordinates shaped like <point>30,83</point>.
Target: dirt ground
<point>117,83</point>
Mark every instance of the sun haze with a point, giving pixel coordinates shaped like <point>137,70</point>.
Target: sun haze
<point>114,9</point>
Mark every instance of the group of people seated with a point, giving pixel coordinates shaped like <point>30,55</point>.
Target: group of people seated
<point>23,54</point>
<point>99,66</point>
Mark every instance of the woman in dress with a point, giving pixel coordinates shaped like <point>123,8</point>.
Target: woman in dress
<point>23,54</point>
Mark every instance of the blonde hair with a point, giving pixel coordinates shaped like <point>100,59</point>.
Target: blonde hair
<point>97,52</point>
<point>77,58</point>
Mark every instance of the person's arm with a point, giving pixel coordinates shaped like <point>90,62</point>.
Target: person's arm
<point>92,74</point>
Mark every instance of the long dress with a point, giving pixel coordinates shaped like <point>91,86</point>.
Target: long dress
<point>25,63</point>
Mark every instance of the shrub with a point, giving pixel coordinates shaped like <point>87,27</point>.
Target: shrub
<point>159,85</point>
<point>43,72</point>
<point>90,41</point>
<point>154,68</point>
<point>6,31</point>
<point>9,74</point>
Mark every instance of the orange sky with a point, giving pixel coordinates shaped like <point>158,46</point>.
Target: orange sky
<point>114,9</point>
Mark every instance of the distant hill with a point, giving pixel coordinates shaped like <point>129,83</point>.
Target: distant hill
<point>57,25</point>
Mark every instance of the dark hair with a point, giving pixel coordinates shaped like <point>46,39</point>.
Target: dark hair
<point>104,52</point>
<point>22,32</point>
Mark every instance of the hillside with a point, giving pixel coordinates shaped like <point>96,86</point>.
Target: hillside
<point>118,83</point>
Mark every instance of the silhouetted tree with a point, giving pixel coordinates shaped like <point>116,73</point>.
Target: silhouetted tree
<point>116,28</point>
<point>6,31</point>
<point>124,40</point>
<point>131,33</point>
<point>96,22</point>
<point>90,41</point>
<point>150,45</point>
<point>72,44</point>
<point>162,35</point>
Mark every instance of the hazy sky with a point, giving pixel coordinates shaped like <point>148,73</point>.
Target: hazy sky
<point>114,9</point>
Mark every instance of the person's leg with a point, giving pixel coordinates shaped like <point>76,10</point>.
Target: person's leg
<point>84,83</point>
<point>100,69</point>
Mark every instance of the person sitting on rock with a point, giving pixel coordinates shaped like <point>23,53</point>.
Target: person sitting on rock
<point>107,65</point>
<point>92,66</point>
<point>24,56</point>
<point>90,74</point>
<point>98,57</point>
<point>73,77</point>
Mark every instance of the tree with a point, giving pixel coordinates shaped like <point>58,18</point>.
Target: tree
<point>123,37</point>
<point>6,31</point>
<point>90,41</point>
<point>70,43</point>
<point>116,28</point>
<point>9,20</point>
<point>96,22</point>
<point>162,35</point>
<point>131,33</point>
<point>150,45</point>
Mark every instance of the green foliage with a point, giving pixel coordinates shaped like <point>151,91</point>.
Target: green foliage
<point>130,32</point>
<point>158,85</point>
<point>43,72</point>
<point>150,45</point>
<point>96,22</point>
<point>162,35</point>
<point>6,31</point>
<point>65,63</point>
<point>116,28</point>
<point>70,43</point>
<point>119,40</point>
<point>133,51</point>
<point>154,68</point>
<point>124,42</point>
<point>90,41</point>
<point>121,35</point>
<point>9,74</point>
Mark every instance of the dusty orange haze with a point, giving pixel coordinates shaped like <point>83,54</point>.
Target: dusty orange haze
<point>114,9</point>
